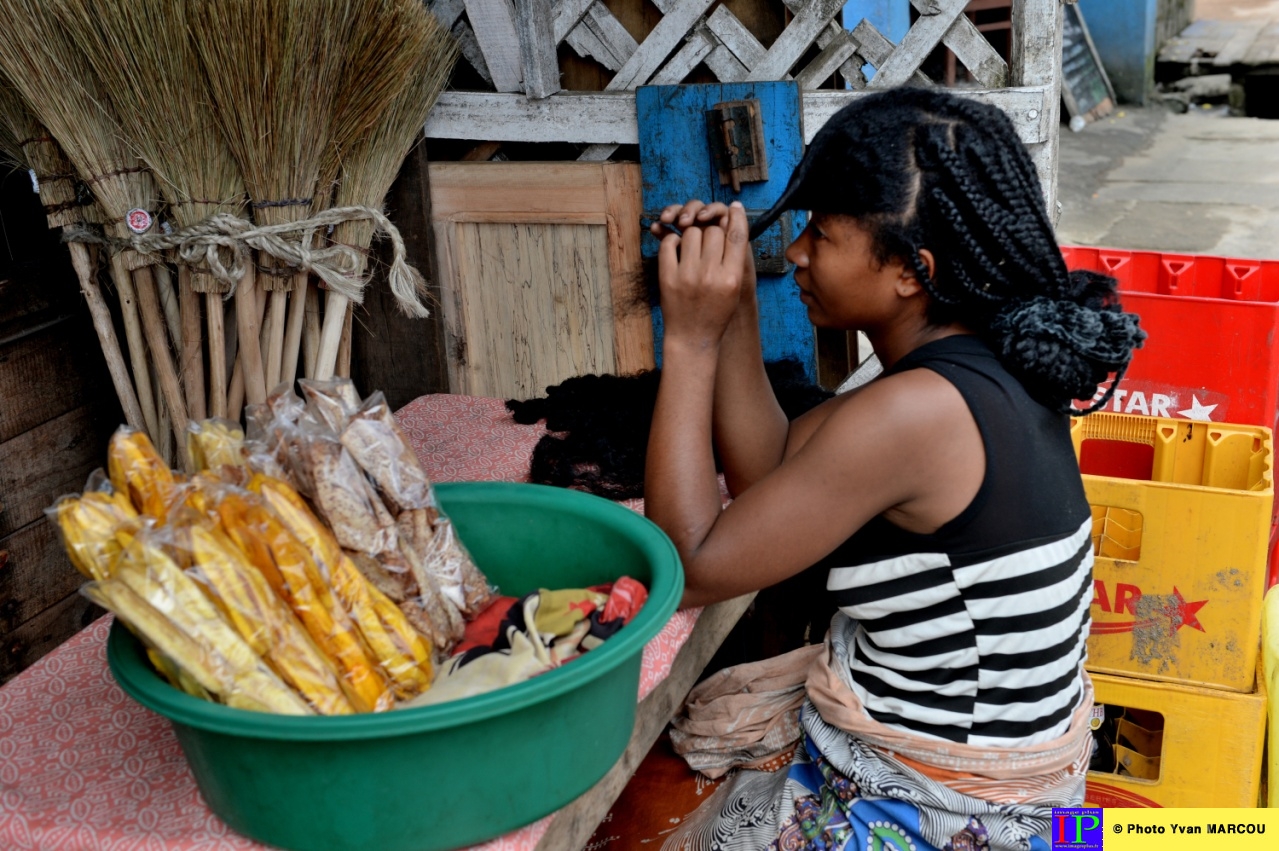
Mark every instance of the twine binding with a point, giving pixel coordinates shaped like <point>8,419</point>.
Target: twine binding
<point>223,242</point>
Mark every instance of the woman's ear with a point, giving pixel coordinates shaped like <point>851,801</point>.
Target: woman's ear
<point>909,283</point>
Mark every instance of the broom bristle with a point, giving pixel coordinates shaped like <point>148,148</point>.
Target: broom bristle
<point>273,69</point>
<point>11,156</point>
<point>380,54</point>
<point>54,174</point>
<point>144,57</point>
<point>373,159</point>
<point>61,89</point>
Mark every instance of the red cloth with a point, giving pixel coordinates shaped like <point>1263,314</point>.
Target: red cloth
<point>483,631</point>
<point>625,600</point>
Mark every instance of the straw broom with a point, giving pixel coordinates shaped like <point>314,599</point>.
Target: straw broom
<point>379,52</point>
<point>53,176</point>
<point>273,68</point>
<point>373,159</point>
<point>144,56</point>
<point>11,158</point>
<point>58,85</point>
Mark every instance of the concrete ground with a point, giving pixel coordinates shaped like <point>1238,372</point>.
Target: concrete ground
<point>1234,10</point>
<point>1144,178</point>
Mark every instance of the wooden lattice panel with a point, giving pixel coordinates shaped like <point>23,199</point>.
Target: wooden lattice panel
<point>512,44</point>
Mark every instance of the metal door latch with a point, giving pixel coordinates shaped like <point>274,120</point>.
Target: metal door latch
<point>736,132</point>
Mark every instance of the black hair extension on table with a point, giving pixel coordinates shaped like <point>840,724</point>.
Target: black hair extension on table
<point>597,426</point>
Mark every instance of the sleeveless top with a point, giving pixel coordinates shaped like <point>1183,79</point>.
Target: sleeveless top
<point>975,633</point>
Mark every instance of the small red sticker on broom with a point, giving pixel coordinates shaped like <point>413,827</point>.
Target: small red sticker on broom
<point>138,220</point>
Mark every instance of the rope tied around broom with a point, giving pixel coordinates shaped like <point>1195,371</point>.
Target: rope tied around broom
<point>223,241</point>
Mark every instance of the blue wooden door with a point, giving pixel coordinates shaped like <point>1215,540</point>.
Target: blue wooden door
<point>676,165</point>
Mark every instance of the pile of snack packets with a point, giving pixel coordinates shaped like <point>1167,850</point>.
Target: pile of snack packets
<point>305,570</point>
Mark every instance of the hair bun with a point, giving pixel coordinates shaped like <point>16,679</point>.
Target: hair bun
<point>1062,350</point>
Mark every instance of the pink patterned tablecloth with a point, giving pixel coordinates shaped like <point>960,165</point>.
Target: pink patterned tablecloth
<point>83,767</point>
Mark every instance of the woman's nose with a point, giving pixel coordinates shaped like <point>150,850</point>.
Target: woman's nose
<point>797,252</point>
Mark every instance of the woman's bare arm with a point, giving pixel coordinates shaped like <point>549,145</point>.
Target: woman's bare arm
<point>749,428</point>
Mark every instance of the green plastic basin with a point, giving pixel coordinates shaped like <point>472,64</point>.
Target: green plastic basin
<point>446,776</point>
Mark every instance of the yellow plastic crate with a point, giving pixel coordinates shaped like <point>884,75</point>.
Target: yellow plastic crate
<point>1181,555</point>
<point>1211,749</point>
<point>1270,681</point>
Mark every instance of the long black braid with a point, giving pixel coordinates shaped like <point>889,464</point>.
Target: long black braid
<point>949,174</point>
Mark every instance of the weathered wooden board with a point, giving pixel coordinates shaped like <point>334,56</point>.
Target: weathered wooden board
<point>973,50</point>
<point>539,270</point>
<point>661,43</point>
<point>534,21</point>
<point>532,311</point>
<point>591,117</point>
<point>1210,40</point>
<point>39,465</point>
<point>36,573</point>
<point>399,355</point>
<point>494,24</point>
<point>553,190</point>
<point>632,323</point>
<point>41,375</point>
<point>739,40</point>
<point>924,35</point>
<point>29,641</point>
<point>583,117</point>
<point>795,39</point>
<point>1036,62</point>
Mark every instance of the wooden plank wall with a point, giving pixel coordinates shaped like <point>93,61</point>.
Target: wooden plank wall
<point>539,268</point>
<point>56,413</point>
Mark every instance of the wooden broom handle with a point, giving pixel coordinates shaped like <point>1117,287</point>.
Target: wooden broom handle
<point>137,345</point>
<point>217,354</point>
<point>293,328</point>
<point>276,315</point>
<point>192,363</point>
<point>162,357</point>
<point>248,323</point>
<point>105,328</point>
<point>331,335</point>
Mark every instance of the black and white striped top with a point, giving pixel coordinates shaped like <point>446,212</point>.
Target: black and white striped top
<point>975,633</point>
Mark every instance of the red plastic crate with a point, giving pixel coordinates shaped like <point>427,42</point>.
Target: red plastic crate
<point>1212,353</point>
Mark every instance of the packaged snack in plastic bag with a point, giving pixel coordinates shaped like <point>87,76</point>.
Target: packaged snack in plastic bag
<point>402,651</point>
<point>247,602</point>
<point>289,568</point>
<point>173,615</point>
<point>376,443</point>
<point>430,541</point>
<point>95,526</point>
<point>215,442</point>
<point>399,649</point>
<point>425,608</point>
<point>427,537</point>
<point>137,471</point>
<point>332,402</point>
<point>344,496</point>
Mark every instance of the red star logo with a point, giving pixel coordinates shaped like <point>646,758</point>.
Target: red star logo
<point>1186,612</point>
<point>1179,614</point>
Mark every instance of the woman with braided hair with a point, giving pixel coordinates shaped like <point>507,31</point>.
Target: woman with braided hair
<point>949,705</point>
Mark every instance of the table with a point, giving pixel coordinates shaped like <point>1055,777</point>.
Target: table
<point>84,767</point>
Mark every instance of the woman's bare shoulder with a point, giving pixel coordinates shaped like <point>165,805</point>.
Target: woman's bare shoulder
<point>914,404</point>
